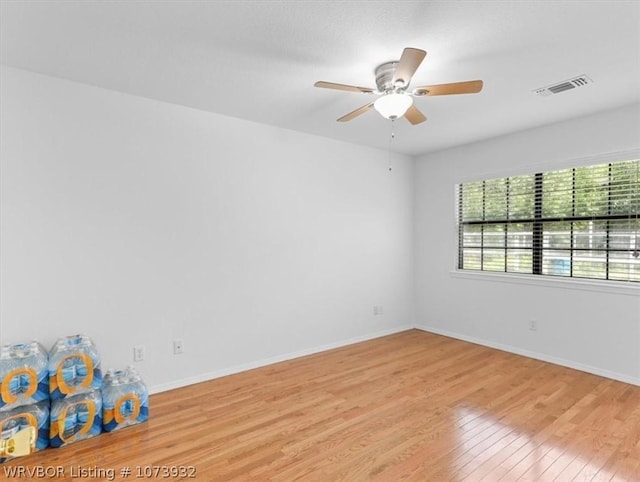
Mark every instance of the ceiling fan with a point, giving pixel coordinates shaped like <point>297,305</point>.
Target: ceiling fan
<point>393,79</point>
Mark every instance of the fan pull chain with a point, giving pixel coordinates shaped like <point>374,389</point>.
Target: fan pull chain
<point>391,139</point>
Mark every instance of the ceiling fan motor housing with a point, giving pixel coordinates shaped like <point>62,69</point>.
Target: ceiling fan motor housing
<point>384,76</point>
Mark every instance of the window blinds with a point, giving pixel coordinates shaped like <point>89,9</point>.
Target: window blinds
<point>579,222</point>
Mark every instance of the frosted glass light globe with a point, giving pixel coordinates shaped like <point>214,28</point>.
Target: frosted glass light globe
<point>393,106</point>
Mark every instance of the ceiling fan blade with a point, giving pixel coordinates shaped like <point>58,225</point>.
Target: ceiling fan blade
<point>407,66</point>
<point>347,88</point>
<point>469,87</point>
<point>414,115</point>
<point>355,113</point>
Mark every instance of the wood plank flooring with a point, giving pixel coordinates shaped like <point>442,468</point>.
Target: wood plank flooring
<point>411,406</point>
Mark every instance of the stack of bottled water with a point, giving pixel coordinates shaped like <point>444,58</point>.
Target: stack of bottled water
<point>125,399</point>
<point>74,367</point>
<point>75,380</point>
<point>24,430</point>
<point>24,400</point>
<point>60,397</point>
<point>75,418</point>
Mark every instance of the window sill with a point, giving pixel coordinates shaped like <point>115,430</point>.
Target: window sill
<point>615,287</point>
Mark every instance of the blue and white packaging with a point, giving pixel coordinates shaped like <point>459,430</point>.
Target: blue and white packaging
<point>125,399</point>
<point>24,430</point>
<point>75,418</point>
<point>74,367</point>
<point>24,378</point>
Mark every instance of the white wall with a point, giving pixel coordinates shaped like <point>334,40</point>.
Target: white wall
<point>579,324</point>
<point>138,222</point>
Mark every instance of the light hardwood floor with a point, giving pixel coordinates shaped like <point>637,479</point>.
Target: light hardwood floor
<point>411,406</point>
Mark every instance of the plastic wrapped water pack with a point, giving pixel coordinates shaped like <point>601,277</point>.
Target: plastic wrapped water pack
<point>125,399</point>
<point>24,430</point>
<point>75,418</point>
<point>74,367</point>
<point>23,375</point>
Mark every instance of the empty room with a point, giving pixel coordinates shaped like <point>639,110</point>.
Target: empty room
<point>279,240</point>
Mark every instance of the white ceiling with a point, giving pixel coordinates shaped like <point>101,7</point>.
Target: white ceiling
<point>258,60</point>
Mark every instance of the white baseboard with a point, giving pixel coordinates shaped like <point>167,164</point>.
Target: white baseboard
<point>531,354</point>
<point>204,377</point>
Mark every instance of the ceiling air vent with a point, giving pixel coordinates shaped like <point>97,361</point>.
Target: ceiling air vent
<point>563,86</point>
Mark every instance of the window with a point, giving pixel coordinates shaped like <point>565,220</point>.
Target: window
<point>582,222</point>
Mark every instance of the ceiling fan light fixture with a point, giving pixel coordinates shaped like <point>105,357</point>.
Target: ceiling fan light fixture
<point>392,81</point>
<point>393,106</point>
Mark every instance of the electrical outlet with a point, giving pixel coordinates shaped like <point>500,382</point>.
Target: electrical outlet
<point>533,325</point>
<point>138,353</point>
<point>377,311</point>
<point>178,347</point>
